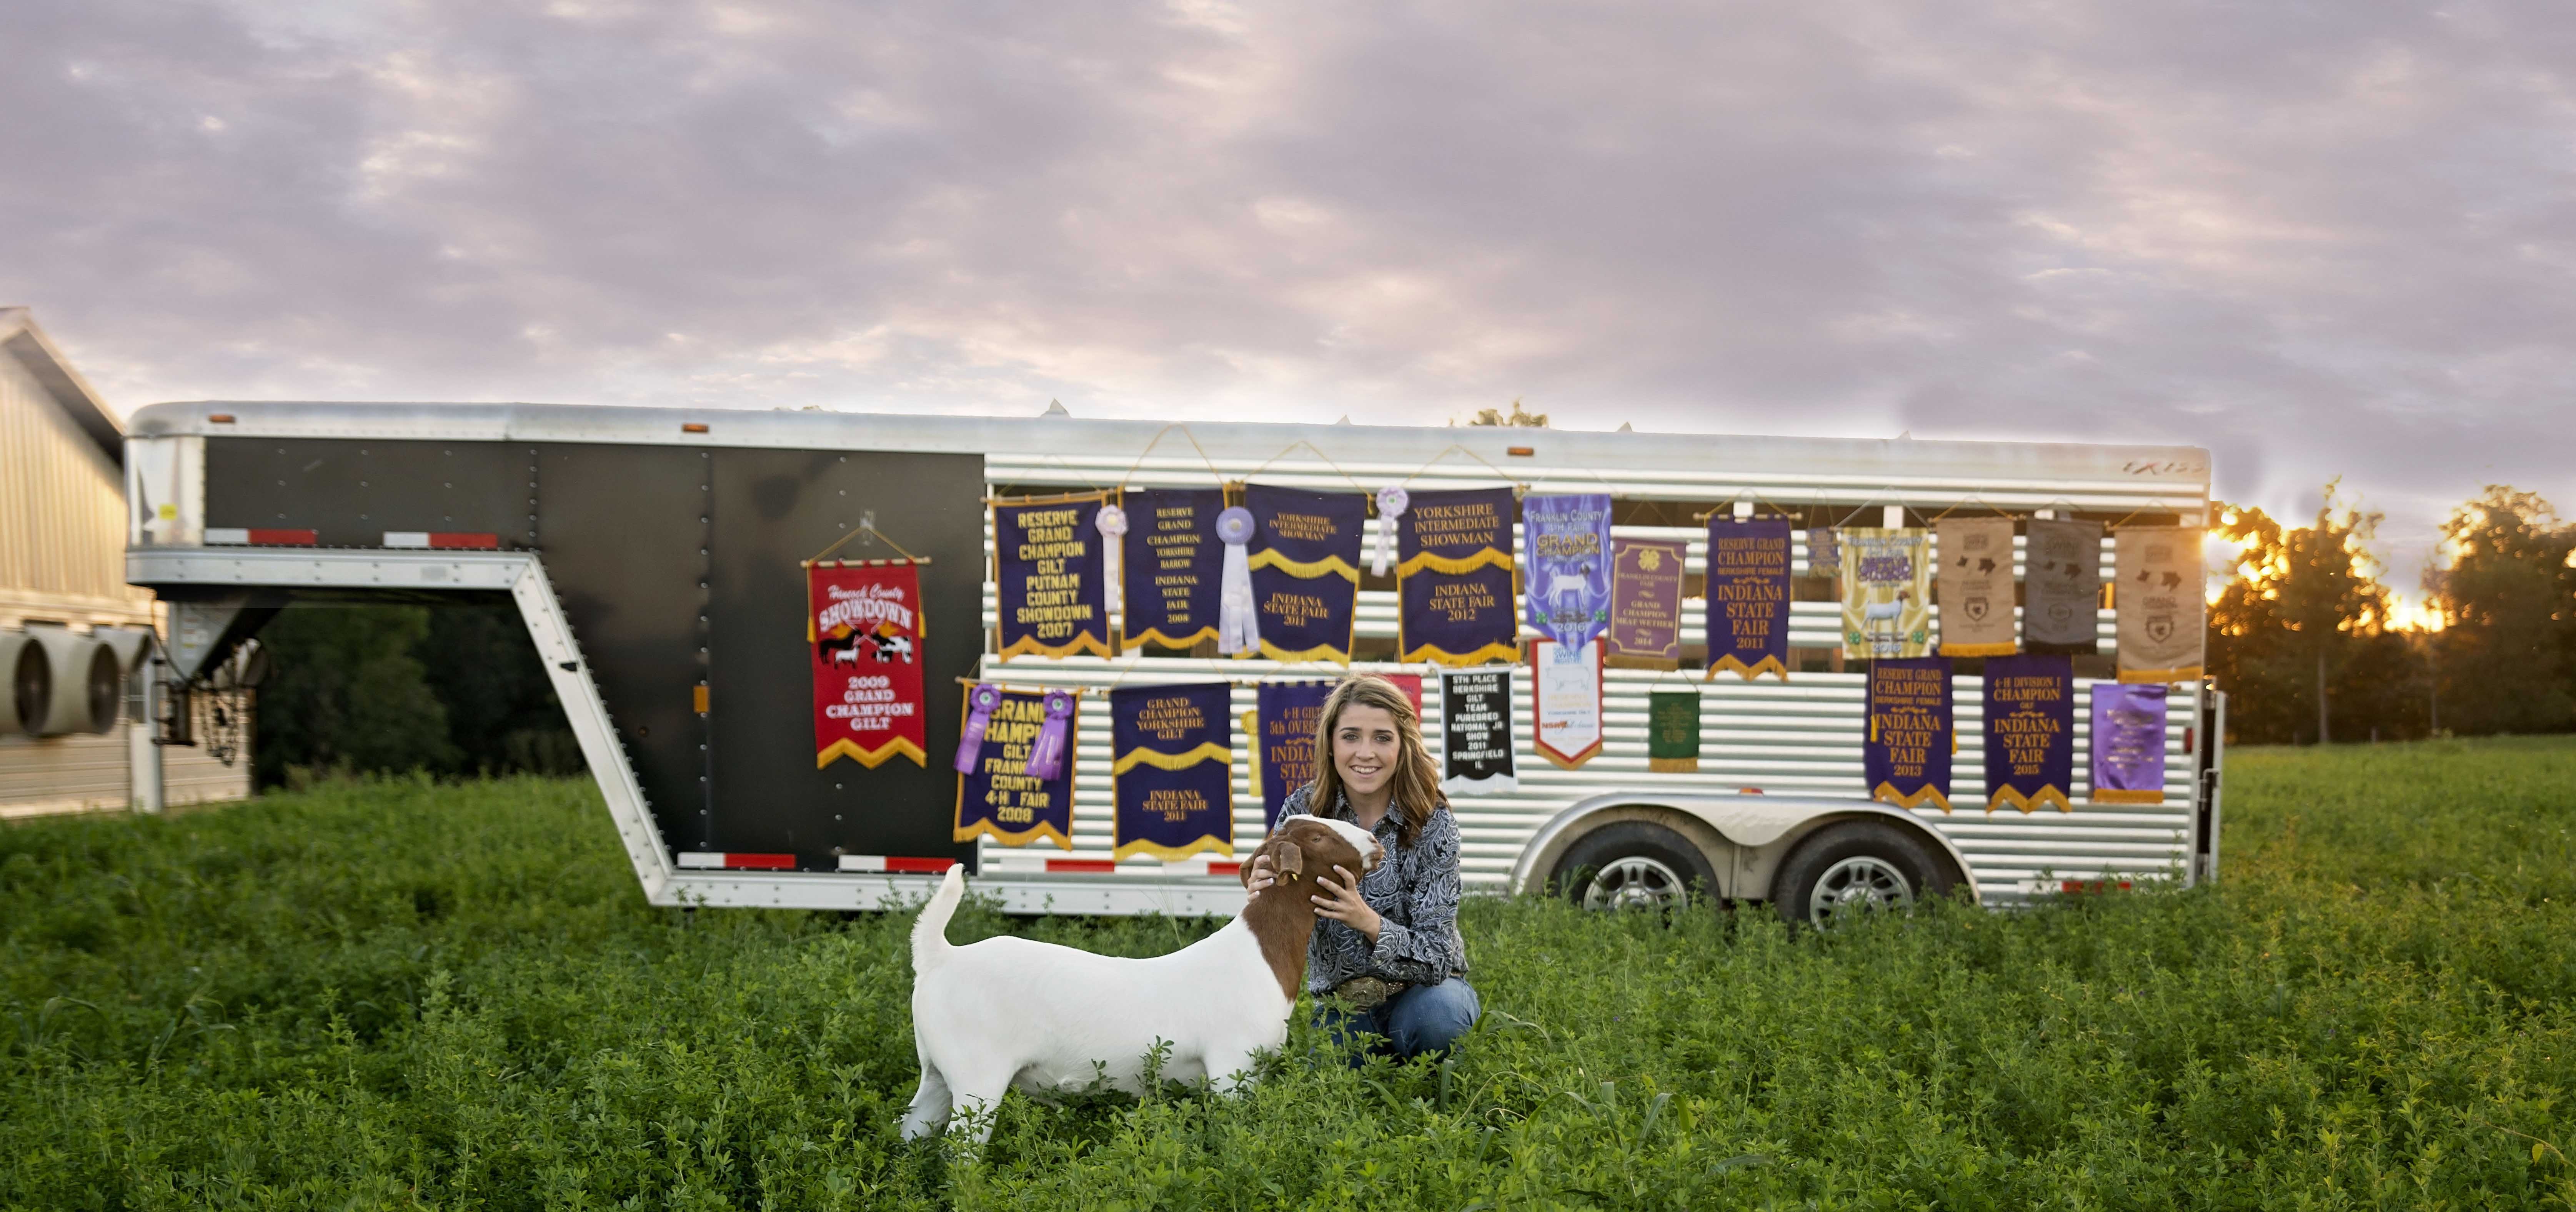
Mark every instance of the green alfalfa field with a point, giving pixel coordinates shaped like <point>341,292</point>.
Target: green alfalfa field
<point>399,993</point>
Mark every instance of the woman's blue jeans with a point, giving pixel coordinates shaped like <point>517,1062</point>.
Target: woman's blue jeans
<point>1422,1020</point>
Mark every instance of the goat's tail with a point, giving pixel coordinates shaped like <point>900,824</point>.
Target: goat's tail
<point>930,930</point>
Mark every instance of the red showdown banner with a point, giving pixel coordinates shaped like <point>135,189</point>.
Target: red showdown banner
<point>863,622</point>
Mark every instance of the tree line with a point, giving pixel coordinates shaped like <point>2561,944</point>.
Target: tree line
<point>2302,639</point>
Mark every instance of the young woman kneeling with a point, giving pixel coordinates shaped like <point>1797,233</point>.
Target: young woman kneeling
<point>1386,959</point>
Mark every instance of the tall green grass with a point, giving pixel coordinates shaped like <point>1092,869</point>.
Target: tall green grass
<point>396,994</point>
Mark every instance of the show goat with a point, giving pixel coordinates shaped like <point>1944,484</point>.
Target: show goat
<point>1011,1012</point>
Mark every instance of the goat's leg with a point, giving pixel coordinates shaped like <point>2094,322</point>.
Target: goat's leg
<point>930,1104</point>
<point>1229,1069</point>
<point>978,1094</point>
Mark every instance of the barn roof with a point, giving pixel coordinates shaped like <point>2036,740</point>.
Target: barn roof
<point>47,365</point>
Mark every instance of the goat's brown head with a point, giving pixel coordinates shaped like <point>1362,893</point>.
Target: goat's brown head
<point>1303,847</point>
<point>1301,850</point>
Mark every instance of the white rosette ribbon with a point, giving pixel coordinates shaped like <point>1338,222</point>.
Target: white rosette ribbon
<point>1111,521</point>
<point>1391,501</point>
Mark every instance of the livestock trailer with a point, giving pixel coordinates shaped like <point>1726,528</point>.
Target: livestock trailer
<point>657,559</point>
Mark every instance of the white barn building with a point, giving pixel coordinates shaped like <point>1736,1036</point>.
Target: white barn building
<point>70,736</point>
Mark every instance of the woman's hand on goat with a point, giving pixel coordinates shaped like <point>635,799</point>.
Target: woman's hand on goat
<point>1257,877</point>
<point>1341,902</point>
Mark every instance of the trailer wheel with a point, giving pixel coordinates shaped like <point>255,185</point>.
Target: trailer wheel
<point>1633,865</point>
<point>1853,869</point>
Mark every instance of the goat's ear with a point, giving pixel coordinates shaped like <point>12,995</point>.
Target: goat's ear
<point>1289,860</point>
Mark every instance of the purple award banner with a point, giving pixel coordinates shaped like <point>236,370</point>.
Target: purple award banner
<point>1287,715</point>
<point>998,797</point>
<point>1568,540</point>
<point>1047,557</point>
<point>1906,755</point>
<point>1456,603</point>
<point>1748,596</point>
<point>1305,562</point>
<point>2128,743</point>
<point>1645,604</point>
<point>1171,766</point>
<point>2030,732</point>
<point>1172,567</point>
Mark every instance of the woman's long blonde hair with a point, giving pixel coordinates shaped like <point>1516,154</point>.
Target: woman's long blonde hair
<point>1416,785</point>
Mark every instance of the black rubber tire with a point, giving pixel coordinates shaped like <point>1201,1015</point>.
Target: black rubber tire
<point>1633,839</point>
<point>1927,875</point>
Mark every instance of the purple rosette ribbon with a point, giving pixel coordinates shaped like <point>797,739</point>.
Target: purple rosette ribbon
<point>980,703</point>
<point>1046,754</point>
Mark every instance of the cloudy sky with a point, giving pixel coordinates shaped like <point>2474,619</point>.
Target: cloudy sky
<point>2320,238</point>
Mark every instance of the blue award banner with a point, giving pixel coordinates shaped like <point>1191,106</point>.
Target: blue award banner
<point>1457,604</point>
<point>1906,756</point>
<point>1748,596</point>
<point>2030,731</point>
<point>1046,556</point>
<point>1305,555</point>
<point>1172,567</point>
<point>998,797</point>
<point>1172,769</point>
<point>1569,559</point>
<point>1287,715</point>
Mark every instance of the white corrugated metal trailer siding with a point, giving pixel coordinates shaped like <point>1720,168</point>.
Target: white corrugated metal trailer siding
<point>1801,737</point>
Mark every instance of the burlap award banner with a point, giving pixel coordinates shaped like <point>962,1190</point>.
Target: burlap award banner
<point>1976,581</point>
<point>1672,731</point>
<point>2030,732</point>
<point>1305,561</point>
<point>1171,565</point>
<point>863,624</point>
<point>1645,605</point>
<point>1172,768</point>
<point>2062,588</point>
<point>2158,603</point>
<point>1887,593</point>
<point>1456,601</point>
<point>1748,596</point>
<point>1906,756</point>
<point>1046,555</point>
<point>2128,744</point>
<point>1568,540</point>
<point>1286,715</point>
<point>999,798</point>
<point>1565,702</point>
<point>1476,732</point>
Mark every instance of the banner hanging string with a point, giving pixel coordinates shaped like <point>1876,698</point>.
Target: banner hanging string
<point>1124,480</point>
<point>866,528</point>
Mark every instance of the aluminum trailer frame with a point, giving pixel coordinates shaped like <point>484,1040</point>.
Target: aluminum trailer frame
<point>651,552</point>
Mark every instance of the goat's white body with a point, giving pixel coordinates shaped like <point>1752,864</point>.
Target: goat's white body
<point>1011,1012</point>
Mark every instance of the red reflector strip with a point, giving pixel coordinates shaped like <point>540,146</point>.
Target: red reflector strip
<point>2073,887</point>
<point>880,864</point>
<point>261,537</point>
<point>1217,868</point>
<point>1091,865</point>
<point>442,540</point>
<point>708,860</point>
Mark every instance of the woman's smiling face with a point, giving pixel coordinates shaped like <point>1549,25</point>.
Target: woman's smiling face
<point>1365,748</point>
